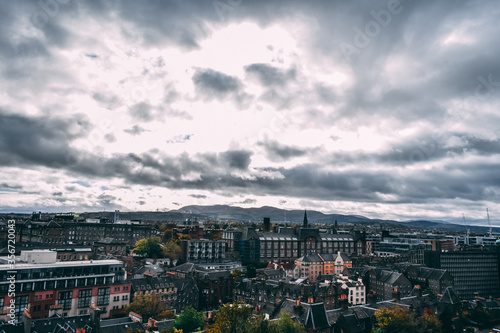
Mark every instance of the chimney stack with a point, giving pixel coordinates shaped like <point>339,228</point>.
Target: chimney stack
<point>344,303</point>
<point>371,298</point>
<point>151,323</point>
<point>396,294</point>
<point>417,291</point>
<point>95,315</point>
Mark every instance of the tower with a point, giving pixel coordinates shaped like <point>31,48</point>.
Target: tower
<point>116,217</point>
<point>304,223</point>
<point>267,224</point>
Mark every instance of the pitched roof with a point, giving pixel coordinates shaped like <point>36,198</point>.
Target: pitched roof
<point>449,297</point>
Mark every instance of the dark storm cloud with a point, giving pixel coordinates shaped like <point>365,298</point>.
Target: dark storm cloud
<point>239,159</point>
<point>42,141</point>
<point>269,75</point>
<point>215,84</point>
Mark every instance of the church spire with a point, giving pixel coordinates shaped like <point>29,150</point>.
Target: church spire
<point>305,219</point>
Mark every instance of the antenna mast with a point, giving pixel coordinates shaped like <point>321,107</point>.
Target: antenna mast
<point>489,223</point>
<point>466,241</point>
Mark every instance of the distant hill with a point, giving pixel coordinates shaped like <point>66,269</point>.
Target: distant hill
<point>277,215</point>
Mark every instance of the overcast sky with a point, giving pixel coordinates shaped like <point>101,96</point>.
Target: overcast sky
<point>379,108</point>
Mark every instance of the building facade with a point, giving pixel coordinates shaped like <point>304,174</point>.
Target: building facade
<point>475,273</point>
<point>314,265</point>
<point>43,284</point>
<point>203,250</point>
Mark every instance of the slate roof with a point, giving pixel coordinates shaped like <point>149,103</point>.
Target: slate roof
<point>184,268</point>
<point>215,275</point>
<point>58,324</point>
<point>152,283</point>
<point>120,325</point>
<point>164,324</point>
<point>388,277</point>
<point>311,315</point>
<point>449,297</point>
<point>155,270</point>
<point>352,324</point>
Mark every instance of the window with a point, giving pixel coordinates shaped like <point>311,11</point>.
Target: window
<point>84,298</point>
<point>125,297</point>
<point>103,296</point>
<point>65,299</point>
<point>21,303</point>
<point>1,303</point>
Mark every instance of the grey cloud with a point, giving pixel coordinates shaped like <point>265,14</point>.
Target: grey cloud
<point>110,137</point>
<point>142,111</point>
<point>271,76</point>
<point>43,141</point>
<point>57,194</point>
<point>9,186</point>
<point>279,152</point>
<point>249,201</point>
<point>215,84</point>
<point>198,196</point>
<point>239,159</point>
<point>135,130</point>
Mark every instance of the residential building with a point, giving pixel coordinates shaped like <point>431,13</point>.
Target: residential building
<point>314,265</point>
<point>57,233</point>
<point>354,289</point>
<point>434,279</point>
<point>43,284</point>
<point>383,282</point>
<point>203,250</point>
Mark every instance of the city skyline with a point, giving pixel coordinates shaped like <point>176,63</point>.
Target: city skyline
<point>384,109</point>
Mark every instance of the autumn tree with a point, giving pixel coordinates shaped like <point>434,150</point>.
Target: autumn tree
<point>167,235</point>
<point>394,321</point>
<point>150,247</point>
<point>231,318</point>
<point>189,321</point>
<point>237,275</point>
<point>172,250</point>
<point>400,320</point>
<point>430,323</point>
<point>149,306</point>
<point>183,236</point>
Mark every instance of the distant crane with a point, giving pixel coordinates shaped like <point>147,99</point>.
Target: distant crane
<point>489,223</point>
<point>466,240</point>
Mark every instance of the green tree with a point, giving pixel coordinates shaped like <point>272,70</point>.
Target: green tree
<point>172,250</point>
<point>189,321</point>
<point>231,318</point>
<point>149,306</point>
<point>285,324</point>
<point>257,324</point>
<point>150,247</point>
